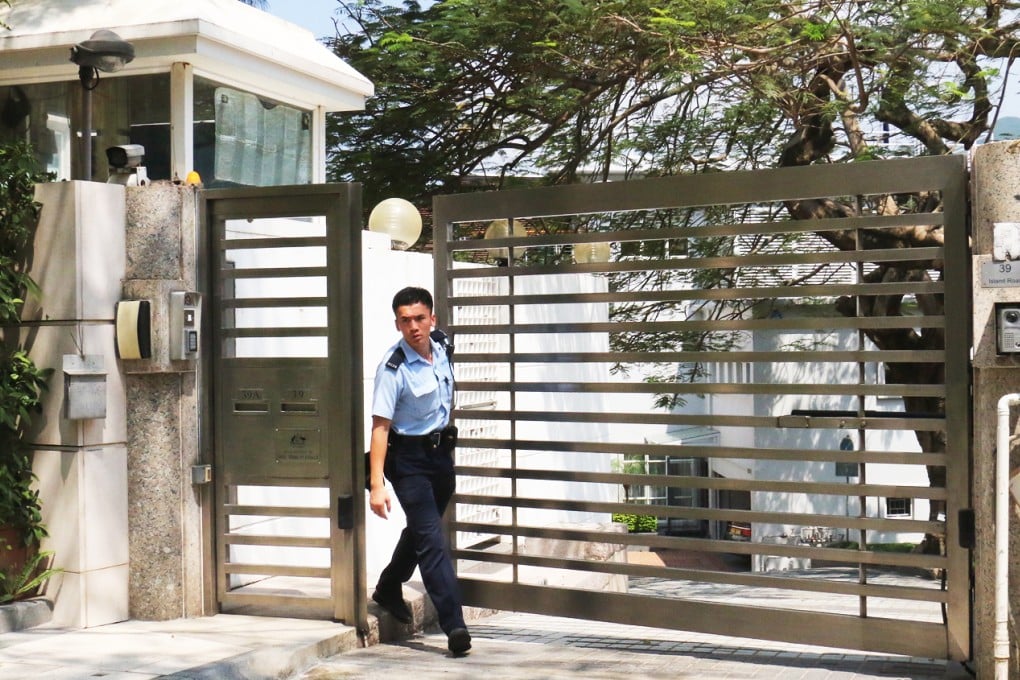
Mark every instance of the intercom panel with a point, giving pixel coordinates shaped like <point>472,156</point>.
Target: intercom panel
<point>185,312</point>
<point>1007,328</point>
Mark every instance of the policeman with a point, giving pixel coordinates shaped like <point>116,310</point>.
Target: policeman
<point>413,441</point>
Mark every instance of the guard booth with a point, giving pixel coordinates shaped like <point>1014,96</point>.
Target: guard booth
<point>285,351</point>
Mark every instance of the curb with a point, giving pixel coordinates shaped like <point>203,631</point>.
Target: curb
<point>270,663</point>
<point>274,662</point>
<point>23,614</point>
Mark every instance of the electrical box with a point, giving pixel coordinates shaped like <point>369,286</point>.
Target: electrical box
<point>185,329</point>
<point>84,387</point>
<point>1007,328</point>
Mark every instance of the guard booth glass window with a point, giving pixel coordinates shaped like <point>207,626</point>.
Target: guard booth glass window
<point>242,139</point>
<point>125,110</point>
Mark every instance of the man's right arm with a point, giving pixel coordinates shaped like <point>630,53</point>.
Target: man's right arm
<point>379,496</point>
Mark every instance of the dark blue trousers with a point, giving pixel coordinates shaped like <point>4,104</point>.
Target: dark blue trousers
<point>423,480</point>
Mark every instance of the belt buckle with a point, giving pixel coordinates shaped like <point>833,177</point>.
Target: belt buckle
<point>434,438</point>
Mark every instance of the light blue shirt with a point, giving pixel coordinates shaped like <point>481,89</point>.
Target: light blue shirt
<point>417,396</point>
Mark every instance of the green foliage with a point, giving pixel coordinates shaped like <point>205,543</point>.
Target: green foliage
<point>19,173</point>
<point>17,584</point>
<point>572,90</point>
<point>22,383</point>
<point>637,523</point>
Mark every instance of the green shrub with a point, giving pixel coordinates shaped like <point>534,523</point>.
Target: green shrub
<point>637,523</point>
<point>21,381</point>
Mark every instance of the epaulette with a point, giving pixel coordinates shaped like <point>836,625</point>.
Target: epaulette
<point>398,357</point>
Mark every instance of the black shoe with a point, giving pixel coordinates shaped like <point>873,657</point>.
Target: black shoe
<point>459,641</point>
<point>394,604</point>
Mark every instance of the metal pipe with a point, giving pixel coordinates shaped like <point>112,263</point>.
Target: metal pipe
<point>1001,638</point>
<point>86,144</point>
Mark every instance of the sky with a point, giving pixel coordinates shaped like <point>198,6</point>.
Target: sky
<point>315,15</point>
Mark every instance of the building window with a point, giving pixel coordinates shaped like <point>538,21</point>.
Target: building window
<point>898,507</point>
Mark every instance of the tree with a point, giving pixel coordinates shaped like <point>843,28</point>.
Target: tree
<point>572,90</point>
<point>260,4</point>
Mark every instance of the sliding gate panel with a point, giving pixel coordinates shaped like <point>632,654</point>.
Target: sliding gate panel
<point>286,378</point>
<point>733,403</point>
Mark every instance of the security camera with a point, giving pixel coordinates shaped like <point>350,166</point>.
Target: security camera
<point>125,155</point>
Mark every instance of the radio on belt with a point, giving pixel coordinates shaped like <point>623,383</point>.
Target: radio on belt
<point>185,313</point>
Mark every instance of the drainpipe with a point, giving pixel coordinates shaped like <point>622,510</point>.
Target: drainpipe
<point>1001,640</point>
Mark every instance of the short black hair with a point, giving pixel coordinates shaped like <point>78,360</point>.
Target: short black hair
<point>410,296</point>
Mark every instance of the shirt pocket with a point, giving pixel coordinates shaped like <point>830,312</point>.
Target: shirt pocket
<point>424,397</point>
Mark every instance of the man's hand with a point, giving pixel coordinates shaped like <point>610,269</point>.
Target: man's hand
<point>379,501</point>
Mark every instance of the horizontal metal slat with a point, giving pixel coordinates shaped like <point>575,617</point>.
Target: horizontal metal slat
<point>275,510</point>
<point>676,512</point>
<point>265,303</point>
<point>772,227</point>
<point>695,482</point>
<point>275,570</point>
<point>786,323</point>
<point>704,576</point>
<point>276,541</point>
<point>702,545</point>
<point>683,387</point>
<point>835,356</point>
<point>274,273</point>
<point>839,422</point>
<point>691,451</point>
<point>729,262</point>
<point>271,242</point>
<point>308,605</point>
<point>675,295</point>
<point>277,332</point>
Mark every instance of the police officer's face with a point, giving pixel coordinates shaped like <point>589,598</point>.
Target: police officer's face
<point>415,323</point>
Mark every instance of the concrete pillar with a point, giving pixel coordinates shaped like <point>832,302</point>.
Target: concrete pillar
<point>166,511</point>
<point>996,198</point>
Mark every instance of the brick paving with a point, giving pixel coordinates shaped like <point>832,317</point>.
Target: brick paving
<point>514,646</point>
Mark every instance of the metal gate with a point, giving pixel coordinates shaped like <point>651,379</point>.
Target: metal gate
<point>782,424</point>
<point>286,371</point>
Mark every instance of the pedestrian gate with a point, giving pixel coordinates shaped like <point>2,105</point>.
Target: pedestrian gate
<point>776,407</point>
<point>286,372</point>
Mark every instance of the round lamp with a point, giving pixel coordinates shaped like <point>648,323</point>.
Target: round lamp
<point>105,51</point>
<point>501,229</point>
<point>398,219</point>
<point>588,253</point>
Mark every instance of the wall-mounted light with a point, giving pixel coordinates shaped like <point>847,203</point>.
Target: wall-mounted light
<point>104,51</point>
<point>398,219</point>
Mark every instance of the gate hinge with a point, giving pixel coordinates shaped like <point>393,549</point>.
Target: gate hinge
<point>967,528</point>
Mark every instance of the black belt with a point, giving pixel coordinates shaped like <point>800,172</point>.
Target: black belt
<point>431,439</point>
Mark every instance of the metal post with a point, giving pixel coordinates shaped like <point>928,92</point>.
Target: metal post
<point>86,104</point>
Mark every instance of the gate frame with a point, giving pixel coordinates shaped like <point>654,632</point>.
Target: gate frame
<point>947,174</point>
<point>340,205</point>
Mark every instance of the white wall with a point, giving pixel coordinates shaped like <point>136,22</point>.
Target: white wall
<point>824,471</point>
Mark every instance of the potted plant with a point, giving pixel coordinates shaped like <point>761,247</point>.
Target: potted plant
<point>21,381</point>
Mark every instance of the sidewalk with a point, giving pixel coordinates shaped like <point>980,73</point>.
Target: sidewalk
<point>526,647</point>
<point>221,647</point>
<point>505,646</point>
